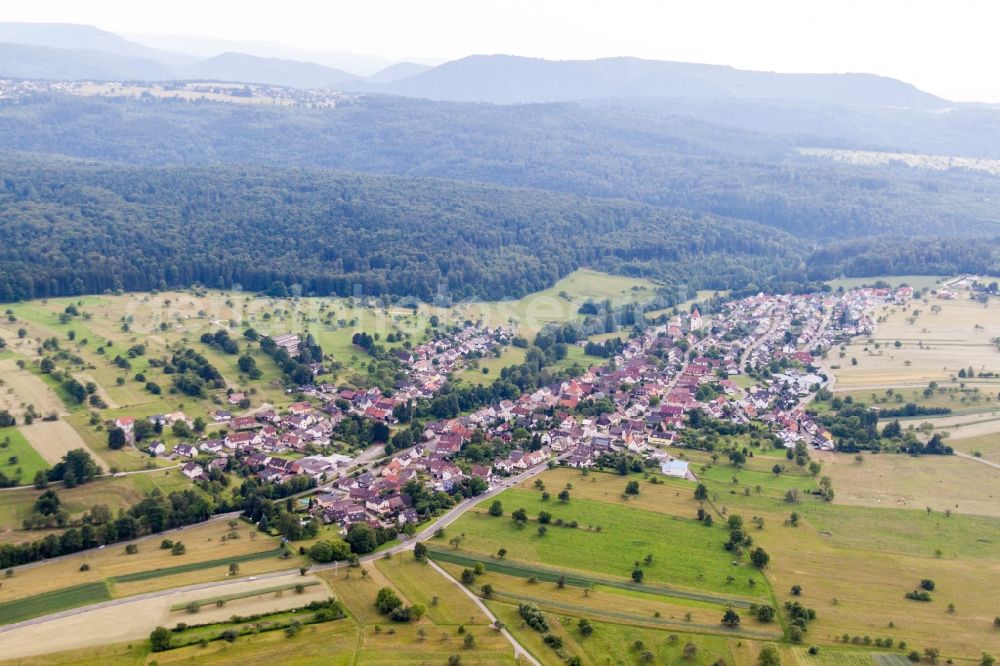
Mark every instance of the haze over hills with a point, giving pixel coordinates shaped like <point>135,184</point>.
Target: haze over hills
<point>74,37</point>
<point>500,79</point>
<point>360,64</point>
<point>254,69</point>
<point>505,79</point>
<point>42,62</point>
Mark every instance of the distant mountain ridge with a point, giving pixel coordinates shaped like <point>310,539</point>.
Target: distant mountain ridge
<point>41,62</point>
<point>67,51</point>
<point>504,79</point>
<point>253,69</point>
<point>74,37</point>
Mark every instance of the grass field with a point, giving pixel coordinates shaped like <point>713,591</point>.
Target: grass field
<point>978,398</point>
<point>560,302</point>
<point>685,553</point>
<point>940,482</point>
<point>886,551</point>
<point>116,493</point>
<point>421,584</point>
<point>51,602</point>
<point>196,566</point>
<point>18,460</point>
<point>380,641</point>
<point>934,345</point>
<point>987,446</point>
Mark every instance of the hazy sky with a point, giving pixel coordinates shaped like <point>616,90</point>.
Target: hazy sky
<point>947,47</point>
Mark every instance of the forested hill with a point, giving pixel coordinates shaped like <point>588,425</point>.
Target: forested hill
<point>601,151</point>
<point>72,227</point>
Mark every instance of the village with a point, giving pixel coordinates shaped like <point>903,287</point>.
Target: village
<point>650,389</point>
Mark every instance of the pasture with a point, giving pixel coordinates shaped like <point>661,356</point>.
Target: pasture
<point>609,538</point>
<point>886,551</point>
<point>898,481</point>
<point>18,460</point>
<point>944,337</point>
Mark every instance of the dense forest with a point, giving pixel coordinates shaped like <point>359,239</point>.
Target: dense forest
<point>74,227</point>
<point>617,150</point>
<point>467,200</point>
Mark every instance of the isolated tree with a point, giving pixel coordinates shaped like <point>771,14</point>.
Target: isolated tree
<point>638,575</point>
<point>759,557</point>
<point>701,492</point>
<point>420,551</point>
<point>159,639</point>
<point>731,618</point>
<point>496,508</point>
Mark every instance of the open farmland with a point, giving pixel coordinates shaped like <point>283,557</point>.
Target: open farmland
<point>609,538</point>
<point>209,550</point>
<point>20,388</point>
<point>132,620</point>
<point>883,548</point>
<point>895,481</point>
<point>53,439</point>
<point>934,346</point>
